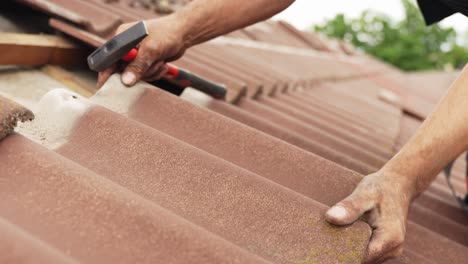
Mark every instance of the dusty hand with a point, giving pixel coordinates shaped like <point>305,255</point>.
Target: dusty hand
<point>385,198</point>
<point>164,43</point>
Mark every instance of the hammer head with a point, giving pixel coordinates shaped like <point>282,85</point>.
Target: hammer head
<point>114,49</point>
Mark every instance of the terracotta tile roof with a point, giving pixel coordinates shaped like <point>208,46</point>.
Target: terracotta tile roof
<point>19,246</point>
<point>142,175</point>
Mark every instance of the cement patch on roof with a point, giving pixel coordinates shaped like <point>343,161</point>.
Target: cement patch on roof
<point>117,97</point>
<point>196,97</point>
<point>25,85</point>
<point>57,113</point>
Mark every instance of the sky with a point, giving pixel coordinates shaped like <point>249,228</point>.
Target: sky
<point>304,13</point>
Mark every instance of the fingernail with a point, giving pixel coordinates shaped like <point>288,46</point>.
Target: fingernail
<point>337,212</point>
<point>128,78</point>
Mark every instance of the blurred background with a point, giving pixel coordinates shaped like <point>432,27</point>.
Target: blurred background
<point>393,30</point>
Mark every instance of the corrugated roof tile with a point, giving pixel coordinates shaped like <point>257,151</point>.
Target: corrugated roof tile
<point>206,181</point>
<point>324,125</point>
<point>262,217</point>
<point>289,136</point>
<point>311,132</point>
<point>335,117</point>
<point>17,246</point>
<point>82,13</point>
<point>246,147</point>
<point>53,198</point>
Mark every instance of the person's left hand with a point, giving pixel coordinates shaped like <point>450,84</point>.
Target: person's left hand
<point>384,198</point>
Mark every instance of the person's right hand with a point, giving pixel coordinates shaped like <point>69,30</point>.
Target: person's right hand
<point>165,42</point>
<point>386,198</point>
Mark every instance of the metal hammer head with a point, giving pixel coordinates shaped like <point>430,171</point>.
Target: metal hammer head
<point>114,49</point>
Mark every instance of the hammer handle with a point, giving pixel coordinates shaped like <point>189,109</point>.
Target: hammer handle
<point>184,78</point>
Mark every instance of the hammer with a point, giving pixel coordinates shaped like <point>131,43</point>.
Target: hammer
<point>122,47</point>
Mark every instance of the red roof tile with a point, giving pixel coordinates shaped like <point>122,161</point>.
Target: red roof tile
<point>311,132</point>
<point>233,203</point>
<point>53,198</point>
<point>82,13</point>
<point>17,246</point>
<point>290,136</point>
<point>194,179</point>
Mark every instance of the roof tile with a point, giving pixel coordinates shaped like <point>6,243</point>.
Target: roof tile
<point>207,181</point>
<point>256,214</point>
<point>53,198</point>
<point>10,114</point>
<point>18,246</point>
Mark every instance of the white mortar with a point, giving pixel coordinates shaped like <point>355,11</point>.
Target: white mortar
<point>196,97</point>
<point>117,97</point>
<point>57,114</point>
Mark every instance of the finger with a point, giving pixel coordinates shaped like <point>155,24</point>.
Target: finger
<point>162,71</point>
<point>135,70</point>
<point>124,27</point>
<point>385,243</point>
<point>350,209</point>
<point>104,75</point>
<point>153,70</point>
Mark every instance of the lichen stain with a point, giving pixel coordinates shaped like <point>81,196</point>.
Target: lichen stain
<point>339,237</point>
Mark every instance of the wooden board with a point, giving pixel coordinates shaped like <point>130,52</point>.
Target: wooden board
<point>33,50</point>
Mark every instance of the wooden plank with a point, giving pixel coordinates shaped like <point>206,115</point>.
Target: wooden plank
<point>33,50</point>
<point>70,80</point>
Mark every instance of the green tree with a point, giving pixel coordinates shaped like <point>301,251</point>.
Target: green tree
<point>408,44</point>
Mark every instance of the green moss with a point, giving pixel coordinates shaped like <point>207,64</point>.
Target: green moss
<point>336,237</point>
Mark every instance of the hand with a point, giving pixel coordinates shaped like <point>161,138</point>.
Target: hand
<point>164,43</point>
<point>385,198</point>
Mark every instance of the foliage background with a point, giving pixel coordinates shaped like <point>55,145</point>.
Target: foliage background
<point>408,44</point>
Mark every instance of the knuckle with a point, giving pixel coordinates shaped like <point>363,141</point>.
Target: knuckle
<point>152,47</point>
<point>136,68</point>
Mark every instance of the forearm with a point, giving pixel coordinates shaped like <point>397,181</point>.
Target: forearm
<point>206,19</point>
<point>439,140</point>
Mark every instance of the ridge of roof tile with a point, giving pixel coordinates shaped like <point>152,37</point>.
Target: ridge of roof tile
<point>243,198</point>
<point>307,102</point>
<point>284,164</point>
<point>437,248</point>
<point>155,120</point>
<point>289,136</point>
<point>335,118</point>
<point>311,132</point>
<point>325,126</point>
<point>17,246</point>
<point>10,114</point>
<point>439,224</point>
<point>52,197</point>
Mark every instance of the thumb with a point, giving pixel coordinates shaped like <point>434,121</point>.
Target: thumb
<point>350,209</point>
<point>137,68</point>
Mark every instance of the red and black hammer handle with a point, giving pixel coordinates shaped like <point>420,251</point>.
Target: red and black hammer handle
<point>185,78</point>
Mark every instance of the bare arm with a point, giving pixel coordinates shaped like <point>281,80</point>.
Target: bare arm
<point>199,21</point>
<point>387,194</point>
<point>206,19</point>
<point>439,140</point>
